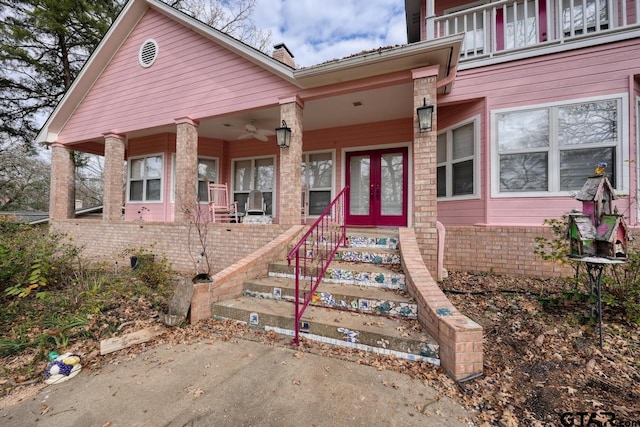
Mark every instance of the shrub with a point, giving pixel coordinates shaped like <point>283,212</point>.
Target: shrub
<point>621,284</point>
<point>153,270</point>
<point>31,258</point>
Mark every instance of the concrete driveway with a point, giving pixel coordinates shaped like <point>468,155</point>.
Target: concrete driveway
<point>235,383</point>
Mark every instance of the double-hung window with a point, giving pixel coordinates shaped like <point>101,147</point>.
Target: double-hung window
<point>207,172</point>
<point>457,161</point>
<point>145,179</point>
<point>317,178</point>
<point>254,174</point>
<point>554,149</point>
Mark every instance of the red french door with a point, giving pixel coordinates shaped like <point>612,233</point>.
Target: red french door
<point>377,193</point>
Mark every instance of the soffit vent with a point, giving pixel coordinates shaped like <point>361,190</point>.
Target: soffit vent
<point>148,53</point>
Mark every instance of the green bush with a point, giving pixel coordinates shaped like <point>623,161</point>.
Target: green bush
<point>151,269</point>
<point>31,259</point>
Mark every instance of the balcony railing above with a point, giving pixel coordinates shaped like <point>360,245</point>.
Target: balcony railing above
<point>510,25</point>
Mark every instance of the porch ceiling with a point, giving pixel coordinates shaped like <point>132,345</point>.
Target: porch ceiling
<point>367,106</point>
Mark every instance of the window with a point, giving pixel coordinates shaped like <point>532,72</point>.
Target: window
<point>254,174</point>
<point>317,177</point>
<point>145,179</point>
<point>555,148</point>
<point>457,161</point>
<point>207,171</point>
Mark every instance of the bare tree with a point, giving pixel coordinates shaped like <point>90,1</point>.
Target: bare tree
<point>24,180</point>
<point>231,17</point>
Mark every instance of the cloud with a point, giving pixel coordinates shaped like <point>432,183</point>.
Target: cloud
<point>318,31</point>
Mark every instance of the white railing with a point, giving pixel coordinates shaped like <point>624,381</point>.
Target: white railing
<point>509,24</point>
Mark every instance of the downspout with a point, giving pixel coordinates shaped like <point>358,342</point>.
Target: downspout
<point>441,232</point>
<point>448,79</point>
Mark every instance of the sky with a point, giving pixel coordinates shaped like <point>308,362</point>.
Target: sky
<point>316,31</point>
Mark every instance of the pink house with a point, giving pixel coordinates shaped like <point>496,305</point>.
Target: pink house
<point>528,96</point>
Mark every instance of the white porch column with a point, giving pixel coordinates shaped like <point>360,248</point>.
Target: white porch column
<point>113,197</point>
<point>62,199</point>
<point>424,167</point>
<point>291,163</point>
<point>186,168</point>
<point>430,17</point>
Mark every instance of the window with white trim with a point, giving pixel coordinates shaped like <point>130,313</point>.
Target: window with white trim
<point>555,148</point>
<point>145,178</point>
<point>207,172</point>
<point>317,178</point>
<point>254,174</point>
<point>457,159</point>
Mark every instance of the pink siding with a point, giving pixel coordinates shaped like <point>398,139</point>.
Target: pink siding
<point>164,144</point>
<point>465,212</point>
<point>365,135</point>
<point>598,71</point>
<point>192,76</point>
<point>577,74</point>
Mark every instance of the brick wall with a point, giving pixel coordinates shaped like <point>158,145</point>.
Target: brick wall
<point>227,243</point>
<point>460,338</point>
<point>229,282</point>
<point>502,250</point>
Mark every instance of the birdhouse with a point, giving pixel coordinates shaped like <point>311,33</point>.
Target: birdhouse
<point>596,196</point>
<point>611,237</point>
<point>598,230</point>
<point>582,235</point>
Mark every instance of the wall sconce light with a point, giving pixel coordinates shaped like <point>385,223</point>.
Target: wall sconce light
<point>425,116</point>
<point>283,135</point>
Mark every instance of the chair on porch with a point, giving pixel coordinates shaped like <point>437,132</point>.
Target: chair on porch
<point>304,204</point>
<point>220,207</point>
<point>255,203</point>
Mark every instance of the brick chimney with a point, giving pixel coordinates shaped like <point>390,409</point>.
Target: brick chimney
<point>282,54</point>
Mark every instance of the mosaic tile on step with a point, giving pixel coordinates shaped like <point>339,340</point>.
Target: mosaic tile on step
<point>368,257</point>
<point>374,242</point>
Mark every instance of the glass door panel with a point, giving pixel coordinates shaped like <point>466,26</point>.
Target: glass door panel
<point>359,185</point>
<point>377,187</point>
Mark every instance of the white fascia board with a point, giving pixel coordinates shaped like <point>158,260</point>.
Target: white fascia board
<point>372,58</point>
<point>551,47</point>
<point>118,32</point>
<point>254,55</point>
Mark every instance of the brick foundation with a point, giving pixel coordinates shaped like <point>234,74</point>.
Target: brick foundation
<point>228,283</point>
<point>501,250</point>
<point>227,243</point>
<point>460,338</point>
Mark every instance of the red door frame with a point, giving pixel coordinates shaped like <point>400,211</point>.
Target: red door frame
<point>375,217</point>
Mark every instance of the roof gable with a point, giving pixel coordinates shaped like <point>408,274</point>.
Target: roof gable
<point>126,22</point>
<point>190,77</point>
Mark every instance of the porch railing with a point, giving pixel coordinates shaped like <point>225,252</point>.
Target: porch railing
<point>507,25</point>
<point>314,252</point>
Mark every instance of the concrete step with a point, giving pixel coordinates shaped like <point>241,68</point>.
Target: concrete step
<point>368,300</point>
<point>375,255</point>
<point>399,337</point>
<point>348,273</point>
<point>372,238</point>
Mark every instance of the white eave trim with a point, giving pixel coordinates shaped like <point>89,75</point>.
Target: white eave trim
<point>128,17</point>
<point>372,58</point>
<point>551,47</point>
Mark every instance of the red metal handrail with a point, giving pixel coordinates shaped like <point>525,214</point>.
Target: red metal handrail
<point>314,252</point>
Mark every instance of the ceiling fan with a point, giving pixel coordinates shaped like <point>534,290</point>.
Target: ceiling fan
<point>253,132</point>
